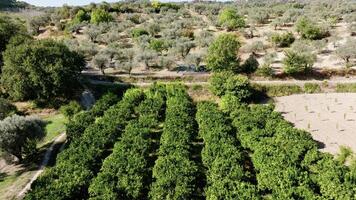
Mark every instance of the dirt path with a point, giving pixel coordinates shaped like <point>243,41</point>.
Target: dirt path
<point>60,139</point>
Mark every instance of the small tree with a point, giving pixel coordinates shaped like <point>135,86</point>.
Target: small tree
<point>222,53</point>
<point>17,133</point>
<point>101,62</point>
<point>99,15</point>
<point>250,65</point>
<point>229,19</point>
<point>297,62</point>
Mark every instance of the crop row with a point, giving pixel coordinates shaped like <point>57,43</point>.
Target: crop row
<point>78,164</point>
<point>126,172</point>
<point>222,156</point>
<point>174,172</point>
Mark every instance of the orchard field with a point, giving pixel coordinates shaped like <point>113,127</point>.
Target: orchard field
<point>156,143</point>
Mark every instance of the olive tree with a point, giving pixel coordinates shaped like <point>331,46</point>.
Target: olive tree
<point>222,53</point>
<point>18,134</point>
<point>101,61</point>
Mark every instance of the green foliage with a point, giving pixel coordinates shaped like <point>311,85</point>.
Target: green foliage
<point>345,153</point>
<point>250,65</point>
<point>125,172</point>
<point>282,40</point>
<point>223,83</point>
<point>8,28</point>
<point>41,70</point>
<point>68,181</point>
<point>222,157</point>
<point>297,62</point>
<point>137,32</point>
<point>312,88</point>
<point>345,87</point>
<point>309,29</point>
<point>81,16</point>
<point>20,134</point>
<point>70,109</point>
<point>6,109</point>
<point>278,90</point>
<point>174,171</point>
<point>158,45</point>
<point>265,70</point>
<point>99,16</point>
<point>229,19</point>
<point>222,53</point>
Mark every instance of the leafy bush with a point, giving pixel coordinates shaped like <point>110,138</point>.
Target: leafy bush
<point>99,16</point>
<point>265,70</point>
<point>222,54</point>
<point>6,109</point>
<point>18,132</point>
<point>312,88</point>
<point>282,40</point>
<point>250,65</point>
<point>70,109</point>
<point>345,87</point>
<point>223,83</point>
<point>229,19</point>
<point>278,90</point>
<point>297,63</point>
<point>42,70</point>
<point>309,29</point>
<point>137,32</point>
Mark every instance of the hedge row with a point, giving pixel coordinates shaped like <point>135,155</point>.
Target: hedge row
<point>175,172</point>
<point>125,173</point>
<point>222,157</point>
<point>77,125</point>
<point>286,160</point>
<point>78,164</point>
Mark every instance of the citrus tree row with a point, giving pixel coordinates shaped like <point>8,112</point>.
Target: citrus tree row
<point>174,172</point>
<point>78,164</point>
<point>222,156</point>
<point>286,160</point>
<point>125,174</point>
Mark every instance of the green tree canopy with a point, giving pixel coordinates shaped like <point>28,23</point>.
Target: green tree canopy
<point>8,28</point>
<point>40,70</point>
<point>6,108</point>
<point>298,62</point>
<point>229,19</point>
<point>222,53</point>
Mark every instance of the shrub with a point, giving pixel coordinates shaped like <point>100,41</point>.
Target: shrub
<point>158,45</point>
<point>41,70</point>
<point>282,40</point>
<point>99,15</point>
<point>297,63</point>
<point>18,132</point>
<point>250,65</point>
<point>278,90</point>
<point>6,109</point>
<point>265,70</point>
<point>70,109</point>
<point>137,32</point>
<point>229,19</point>
<point>309,29</point>
<point>346,87</point>
<point>312,88</point>
<point>223,83</point>
<point>222,54</point>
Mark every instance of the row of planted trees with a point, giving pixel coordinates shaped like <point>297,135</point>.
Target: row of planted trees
<point>249,152</point>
